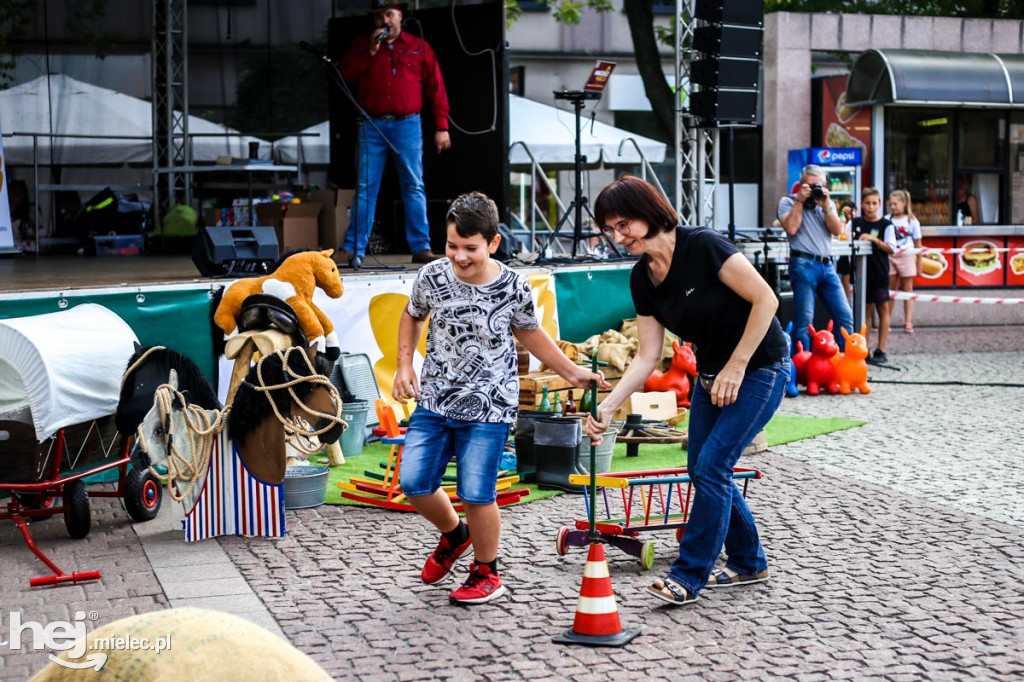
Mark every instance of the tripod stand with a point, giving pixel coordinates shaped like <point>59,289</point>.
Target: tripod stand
<point>579,202</point>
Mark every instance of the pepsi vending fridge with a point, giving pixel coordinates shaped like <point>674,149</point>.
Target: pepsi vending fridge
<point>842,165</point>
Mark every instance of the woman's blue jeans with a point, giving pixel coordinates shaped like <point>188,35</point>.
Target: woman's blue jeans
<point>809,277</point>
<point>719,514</point>
<point>407,137</point>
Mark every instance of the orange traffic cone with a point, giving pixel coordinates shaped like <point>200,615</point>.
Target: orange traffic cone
<point>597,617</point>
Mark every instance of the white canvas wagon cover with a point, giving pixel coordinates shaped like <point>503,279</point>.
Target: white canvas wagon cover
<point>63,368</point>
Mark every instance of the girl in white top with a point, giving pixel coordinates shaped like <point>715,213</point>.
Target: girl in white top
<point>905,263</point>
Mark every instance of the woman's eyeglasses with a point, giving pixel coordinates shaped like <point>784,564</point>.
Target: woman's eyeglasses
<point>619,227</point>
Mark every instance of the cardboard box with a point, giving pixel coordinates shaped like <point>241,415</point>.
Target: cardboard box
<point>335,218</point>
<point>296,229</point>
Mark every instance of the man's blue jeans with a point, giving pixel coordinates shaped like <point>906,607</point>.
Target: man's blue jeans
<point>719,514</point>
<point>809,277</point>
<point>407,137</point>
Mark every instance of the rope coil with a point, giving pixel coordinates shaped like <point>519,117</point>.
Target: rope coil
<point>204,426</point>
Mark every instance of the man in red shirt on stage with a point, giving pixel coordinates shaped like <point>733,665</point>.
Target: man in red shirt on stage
<point>398,78</point>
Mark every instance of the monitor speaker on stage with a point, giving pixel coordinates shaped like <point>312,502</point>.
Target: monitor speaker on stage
<point>469,41</point>
<point>219,251</point>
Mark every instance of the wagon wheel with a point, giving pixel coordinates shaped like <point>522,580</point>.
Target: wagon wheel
<point>43,500</point>
<point>77,515</point>
<point>562,541</point>
<point>142,495</point>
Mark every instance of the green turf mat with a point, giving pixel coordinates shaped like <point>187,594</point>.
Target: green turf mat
<point>781,429</point>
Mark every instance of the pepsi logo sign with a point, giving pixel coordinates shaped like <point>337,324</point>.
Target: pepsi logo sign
<point>837,157</point>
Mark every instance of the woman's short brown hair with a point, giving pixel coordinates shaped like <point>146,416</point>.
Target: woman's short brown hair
<point>635,199</point>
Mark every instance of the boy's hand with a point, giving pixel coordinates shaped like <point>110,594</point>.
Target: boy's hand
<point>584,376</point>
<point>596,428</point>
<point>406,385</point>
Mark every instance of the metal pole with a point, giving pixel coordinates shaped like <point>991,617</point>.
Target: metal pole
<point>35,175</point>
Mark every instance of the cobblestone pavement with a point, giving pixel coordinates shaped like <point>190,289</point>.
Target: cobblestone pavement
<point>897,548</point>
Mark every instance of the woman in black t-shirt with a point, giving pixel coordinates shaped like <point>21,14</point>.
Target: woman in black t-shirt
<point>696,284</point>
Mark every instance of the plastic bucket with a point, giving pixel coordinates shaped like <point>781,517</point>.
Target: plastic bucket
<point>353,437</point>
<point>305,486</point>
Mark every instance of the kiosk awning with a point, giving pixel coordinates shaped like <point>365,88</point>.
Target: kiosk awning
<point>933,77</point>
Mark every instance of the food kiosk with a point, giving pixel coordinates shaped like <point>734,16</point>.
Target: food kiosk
<point>949,128</point>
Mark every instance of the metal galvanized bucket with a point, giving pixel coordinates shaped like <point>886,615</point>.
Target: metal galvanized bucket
<point>305,486</point>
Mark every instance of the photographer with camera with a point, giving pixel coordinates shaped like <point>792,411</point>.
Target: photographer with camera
<point>810,220</point>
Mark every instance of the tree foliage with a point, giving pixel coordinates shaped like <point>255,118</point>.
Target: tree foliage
<point>281,91</point>
<point>82,19</point>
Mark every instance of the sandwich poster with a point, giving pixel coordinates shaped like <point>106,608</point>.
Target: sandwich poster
<point>980,262</point>
<point>843,126</point>
<point>936,263</point>
<point>1015,261</point>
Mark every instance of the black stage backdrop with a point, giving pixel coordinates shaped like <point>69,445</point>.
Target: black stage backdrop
<point>477,87</point>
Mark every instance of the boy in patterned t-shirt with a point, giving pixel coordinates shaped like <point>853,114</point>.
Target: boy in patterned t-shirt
<point>478,308</point>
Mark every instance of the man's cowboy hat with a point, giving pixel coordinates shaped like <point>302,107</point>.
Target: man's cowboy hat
<point>384,5</point>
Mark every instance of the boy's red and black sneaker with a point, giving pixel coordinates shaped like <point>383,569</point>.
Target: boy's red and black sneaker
<point>440,562</point>
<point>482,586</point>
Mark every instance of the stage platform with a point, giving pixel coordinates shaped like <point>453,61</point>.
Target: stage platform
<point>68,273</point>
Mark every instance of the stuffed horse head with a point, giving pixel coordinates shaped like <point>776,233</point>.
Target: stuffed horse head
<point>166,437</point>
<point>294,282</point>
<point>281,388</point>
<point>148,368</point>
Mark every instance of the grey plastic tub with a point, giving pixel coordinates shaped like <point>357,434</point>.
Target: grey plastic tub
<point>305,486</point>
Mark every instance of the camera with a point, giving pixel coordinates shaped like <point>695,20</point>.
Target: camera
<point>817,191</point>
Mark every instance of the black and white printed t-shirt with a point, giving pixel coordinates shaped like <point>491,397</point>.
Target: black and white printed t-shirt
<point>470,372</point>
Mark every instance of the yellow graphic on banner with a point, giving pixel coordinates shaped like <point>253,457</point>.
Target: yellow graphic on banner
<point>542,284</point>
<point>385,312</point>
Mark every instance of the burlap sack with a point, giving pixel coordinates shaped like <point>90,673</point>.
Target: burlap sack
<point>204,645</point>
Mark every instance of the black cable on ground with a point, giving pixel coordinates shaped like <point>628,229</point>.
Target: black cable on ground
<point>946,383</point>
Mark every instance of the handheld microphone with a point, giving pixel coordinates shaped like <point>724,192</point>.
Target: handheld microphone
<point>381,37</point>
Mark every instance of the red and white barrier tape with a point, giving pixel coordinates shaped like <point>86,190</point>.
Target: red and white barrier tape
<point>907,296</point>
<point>998,249</point>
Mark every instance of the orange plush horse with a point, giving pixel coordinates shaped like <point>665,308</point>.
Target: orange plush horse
<point>677,378</point>
<point>851,366</point>
<point>293,281</point>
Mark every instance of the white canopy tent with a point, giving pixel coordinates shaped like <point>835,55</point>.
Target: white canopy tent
<point>550,133</point>
<point>547,131</point>
<point>61,105</point>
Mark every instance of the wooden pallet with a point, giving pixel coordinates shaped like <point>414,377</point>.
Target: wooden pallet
<point>531,387</point>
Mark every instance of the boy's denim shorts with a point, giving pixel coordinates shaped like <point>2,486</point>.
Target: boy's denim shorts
<point>433,439</point>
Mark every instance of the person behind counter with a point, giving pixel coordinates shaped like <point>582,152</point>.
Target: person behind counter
<point>695,283</point>
<point>966,203</point>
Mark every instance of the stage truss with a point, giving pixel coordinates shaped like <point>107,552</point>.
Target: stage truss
<point>696,148</point>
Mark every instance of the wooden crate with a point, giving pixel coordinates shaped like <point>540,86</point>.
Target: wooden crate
<point>531,387</point>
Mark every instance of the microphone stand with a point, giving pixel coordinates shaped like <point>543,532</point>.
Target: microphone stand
<point>335,77</point>
<point>579,202</point>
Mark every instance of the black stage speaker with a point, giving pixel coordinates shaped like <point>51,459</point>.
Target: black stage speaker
<point>477,84</point>
<point>728,68</point>
<point>219,251</point>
